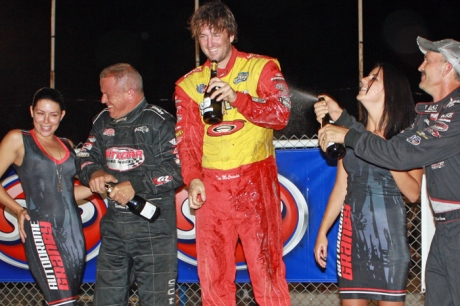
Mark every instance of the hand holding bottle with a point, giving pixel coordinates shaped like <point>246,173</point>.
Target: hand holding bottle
<point>122,193</point>
<point>324,105</point>
<point>138,205</point>
<point>334,148</point>
<point>225,91</point>
<point>331,134</point>
<point>211,108</point>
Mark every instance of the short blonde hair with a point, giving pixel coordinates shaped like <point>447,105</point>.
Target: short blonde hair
<point>125,73</point>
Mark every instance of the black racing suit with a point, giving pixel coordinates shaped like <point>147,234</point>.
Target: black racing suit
<point>432,141</point>
<point>140,148</point>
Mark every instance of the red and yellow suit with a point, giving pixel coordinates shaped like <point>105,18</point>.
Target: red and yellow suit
<point>236,162</point>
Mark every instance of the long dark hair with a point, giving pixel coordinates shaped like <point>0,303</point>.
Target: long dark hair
<point>399,108</point>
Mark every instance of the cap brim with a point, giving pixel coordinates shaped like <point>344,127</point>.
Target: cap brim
<point>426,45</point>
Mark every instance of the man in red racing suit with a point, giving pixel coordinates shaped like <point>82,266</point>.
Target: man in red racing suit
<point>230,167</point>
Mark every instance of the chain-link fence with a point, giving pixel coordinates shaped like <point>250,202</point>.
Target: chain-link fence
<point>188,294</point>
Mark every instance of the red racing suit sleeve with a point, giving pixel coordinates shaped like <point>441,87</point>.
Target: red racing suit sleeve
<point>189,135</point>
<point>274,112</point>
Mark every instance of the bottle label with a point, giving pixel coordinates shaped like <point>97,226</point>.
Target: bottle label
<point>208,110</point>
<point>206,103</point>
<point>149,210</point>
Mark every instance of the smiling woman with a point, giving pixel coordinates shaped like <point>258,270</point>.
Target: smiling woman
<point>364,193</point>
<point>46,167</point>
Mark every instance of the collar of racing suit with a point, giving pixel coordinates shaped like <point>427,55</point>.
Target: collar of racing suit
<point>132,115</point>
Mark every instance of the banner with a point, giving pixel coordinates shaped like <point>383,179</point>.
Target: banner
<point>306,178</point>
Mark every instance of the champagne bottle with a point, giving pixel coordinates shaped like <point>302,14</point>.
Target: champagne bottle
<point>333,150</point>
<point>140,206</point>
<point>212,109</point>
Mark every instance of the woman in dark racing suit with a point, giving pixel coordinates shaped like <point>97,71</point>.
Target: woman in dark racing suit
<point>372,250</point>
<point>50,227</point>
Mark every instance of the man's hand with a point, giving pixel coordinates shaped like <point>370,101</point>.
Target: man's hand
<point>224,93</point>
<point>196,194</point>
<point>98,180</point>
<point>122,192</point>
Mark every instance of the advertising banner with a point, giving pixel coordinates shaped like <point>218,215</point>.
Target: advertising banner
<point>306,178</point>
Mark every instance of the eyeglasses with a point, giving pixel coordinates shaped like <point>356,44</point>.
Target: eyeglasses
<point>373,79</point>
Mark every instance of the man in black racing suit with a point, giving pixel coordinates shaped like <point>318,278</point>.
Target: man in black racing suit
<point>132,144</point>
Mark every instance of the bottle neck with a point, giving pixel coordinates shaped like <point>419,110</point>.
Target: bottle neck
<point>213,69</point>
<point>326,120</point>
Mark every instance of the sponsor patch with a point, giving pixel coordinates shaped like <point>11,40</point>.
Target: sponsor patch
<point>82,154</point>
<point>120,120</point>
<point>226,177</point>
<point>157,109</point>
<point>422,134</point>
<point>414,139</point>
<point>434,117</point>
<point>109,132</point>
<point>431,108</point>
<point>433,132</point>
<point>87,146</point>
<point>440,126</point>
<point>278,77</point>
<point>286,102</point>
<point>241,77</point>
<point>438,165</point>
<point>446,117</point>
<point>258,100</point>
<point>452,103</point>
<point>225,128</point>
<point>200,89</point>
<point>123,158</point>
<point>142,129</point>
<point>162,180</point>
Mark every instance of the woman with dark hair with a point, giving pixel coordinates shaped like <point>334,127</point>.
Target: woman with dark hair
<point>50,227</point>
<point>372,250</point>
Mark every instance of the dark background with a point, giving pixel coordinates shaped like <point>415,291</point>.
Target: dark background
<point>316,42</point>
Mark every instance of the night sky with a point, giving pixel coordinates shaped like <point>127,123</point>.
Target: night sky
<point>316,42</point>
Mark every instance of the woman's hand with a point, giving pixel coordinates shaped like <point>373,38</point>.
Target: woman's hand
<point>22,215</point>
<point>326,105</point>
<point>331,133</point>
<point>320,250</point>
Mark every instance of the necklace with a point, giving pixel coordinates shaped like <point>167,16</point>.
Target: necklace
<point>59,175</point>
<point>58,168</point>
<point>59,171</point>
